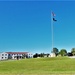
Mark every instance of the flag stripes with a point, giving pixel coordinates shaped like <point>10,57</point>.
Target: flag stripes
<point>53,14</point>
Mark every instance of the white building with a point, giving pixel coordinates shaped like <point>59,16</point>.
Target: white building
<point>3,56</point>
<point>15,55</point>
<point>53,55</point>
<point>29,55</point>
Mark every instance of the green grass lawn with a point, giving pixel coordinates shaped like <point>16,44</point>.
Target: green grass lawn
<point>39,66</point>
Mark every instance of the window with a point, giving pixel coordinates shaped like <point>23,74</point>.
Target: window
<point>9,55</point>
<point>5,54</point>
<point>2,57</point>
<point>2,54</point>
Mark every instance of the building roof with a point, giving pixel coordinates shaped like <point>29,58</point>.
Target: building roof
<point>17,52</point>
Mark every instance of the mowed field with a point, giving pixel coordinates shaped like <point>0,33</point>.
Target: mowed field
<point>38,66</point>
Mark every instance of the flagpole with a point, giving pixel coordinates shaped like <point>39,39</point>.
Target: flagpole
<point>52,31</point>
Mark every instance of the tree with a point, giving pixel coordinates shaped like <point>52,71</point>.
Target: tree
<point>48,55</point>
<point>73,51</point>
<point>36,55</point>
<point>23,56</point>
<point>63,52</point>
<point>56,51</point>
<point>41,55</point>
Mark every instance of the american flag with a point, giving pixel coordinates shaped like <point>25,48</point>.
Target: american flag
<point>53,14</point>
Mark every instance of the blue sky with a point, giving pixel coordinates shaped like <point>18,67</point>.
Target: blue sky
<point>26,25</point>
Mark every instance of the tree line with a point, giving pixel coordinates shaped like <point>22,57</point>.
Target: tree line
<point>62,52</point>
<point>40,55</point>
